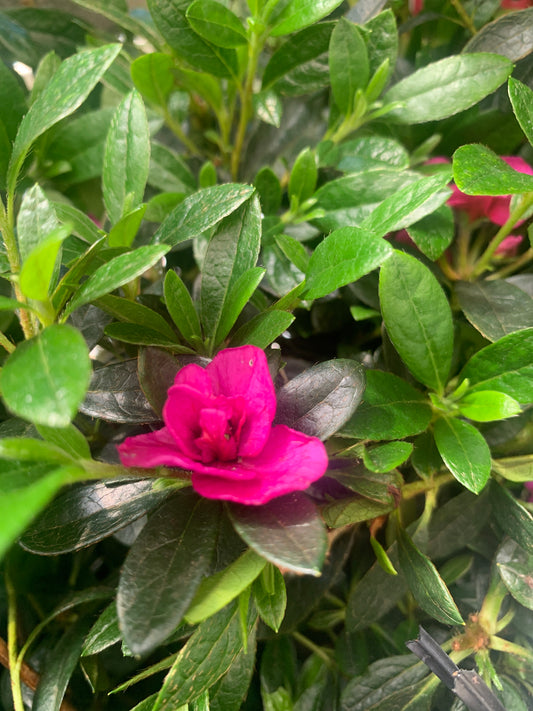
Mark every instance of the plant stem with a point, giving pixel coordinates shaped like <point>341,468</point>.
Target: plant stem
<point>514,266</point>
<point>490,609</point>
<point>411,490</point>
<point>503,645</point>
<point>14,670</point>
<point>465,17</point>
<point>319,651</point>
<point>176,128</point>
<point>6,343</point>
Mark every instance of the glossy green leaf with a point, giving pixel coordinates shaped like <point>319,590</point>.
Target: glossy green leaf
<point>232,250</point>
<point>382,43</point>
<point>346,512</point>
<point>181,307</point>
<point>125,230</point>
<point>216,23</point>
<point>157,369</point>
<point>505,366</point>
<point>268,107</point>
<point>514,566</point>
<point>515,468</point>
<point>12,102</point>
<point>382,557</point>
<point>301,61</point>
<point>364,153</point>
<point>126,158</point>
<point>320,400</point>
<point>297,14</point>
<point>522,100</point>
<point>348,64</point>
<point>34,450</point>
<point>495,308</point>
<point>391,409</point>
<point>237,298</point>
<point>514,519</point>
<point>509,35</point>
<point>143,336</point>
<point>262,329</point>
<point>294,251</point>
<point>303,177</point>
<point>270,596</point>
<point>118,271</point>
<point>446,87</point>
<point>287,531</point>
<point>479,171</point>
<point>434,233</point>
<point>36,220</point>
<point>418,318</point>
<point>69,87</point>
<point>219,589</point>
<point>200,211</point>
<point>488,405</point>
<point>464,451</point>
<point>84,514</point>
<point>428,588</point>
<point>84,227</point>
<point>207,655</point>
<point>38,269</point>
<point>230,691</point>
<point>46,378</point>
<point>342,257</point>
<point>152,76</point>
<point>168,171</point>
<point>69,439</point>
<point>388,456</point>
<point>409,204</point>
<point>170,19</point>
<point>163,569</point>
<point>104,633</point>
<point>134,312</point>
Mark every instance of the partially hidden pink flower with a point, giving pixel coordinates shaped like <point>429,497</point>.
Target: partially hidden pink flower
<point>218,425</point>
<point>529,487</point>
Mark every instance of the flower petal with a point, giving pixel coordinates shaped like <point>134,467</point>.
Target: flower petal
<point>290,461</point>
<point>244,372</point>
<point>154,449</point>
<point>181,414</point>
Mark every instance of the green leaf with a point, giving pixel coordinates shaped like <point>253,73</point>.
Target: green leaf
<point>46,378</point>
<point>268,187</point>
<point>514,566</point>
<point>522,100</point>
<point>200,211</point>
<point>232,250</point>
<point>513,518</point>
<point>428,588</point>
<point>67,90</point>
<point>505,366</point>
<point>300,63</point>
<point>82,515</point>
<point>216,23</point>
<point>168,171</point>
<point>206,656</point>
<point>169,17</point>
<point>69,439</point>
<point>181,307</point>
<point>117,272</point>
<point>157,370</point>
<point>346,512</point>
<point>418,318</point>
<point>464,451</point>
<point>84,227</point>
<point>219,589</point>
<point>479,171</point>
<point>133,312</point>
<point>39,266</point>
<point>12,102</point>
<point>446,87</point>
<point>163,569</point>
<point>391,409</point>
<point>434,233</point>
<point>25,489</point>
<point>237,298</point>
<point>33,450</point>
<point>124,231</point>
<point>388,456</point>
<point>488,405</point>
<point>36,220</point>
<point>364,153</point>
<point>515,468</point>
<point>270,596</point>
<point>348,64</point>
<point>126,158</point>
<point>342,257</point>
<point>382,42</point>
<point>230,691</point>
<point>304,173</point>
<point>104,633</point>
<point>409,204</point>
<point>508,35</point>
<point>294,251</point>
<point>268,107</point>
<point>320,400</point>
<point>152,76</point>
<point>143,336</point>
<point>262,329</point>
<point>297,14</point>
<point>287,531</point>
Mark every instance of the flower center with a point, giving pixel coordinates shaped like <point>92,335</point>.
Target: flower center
<point>219,429</point>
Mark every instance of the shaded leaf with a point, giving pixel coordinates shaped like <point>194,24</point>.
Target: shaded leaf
<point>515,566</point>
<point>510,35</point>
<point>270,596</point>
<point>513,518</point>
<point>346,512</point>
<point>157,370</point>
<point>104,633</point>
<point>522,100</point>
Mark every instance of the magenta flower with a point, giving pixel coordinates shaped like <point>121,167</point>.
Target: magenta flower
<point>218,425</point>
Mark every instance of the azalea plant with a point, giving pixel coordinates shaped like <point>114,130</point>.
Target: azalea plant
<point>266,341</point>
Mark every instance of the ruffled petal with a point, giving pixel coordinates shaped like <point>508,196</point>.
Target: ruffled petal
<point>154,449</point>
<point>181,414</point>
<point>244,372</point>
<point>290,461</point>
<point>195,377</point>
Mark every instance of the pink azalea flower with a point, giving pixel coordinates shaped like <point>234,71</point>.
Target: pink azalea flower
<point>218,425</point>
<point>529,486</point>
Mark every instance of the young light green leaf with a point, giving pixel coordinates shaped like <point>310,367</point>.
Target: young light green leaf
<point>152,76</point>
<point>216,23</point>
<point>68,89</point>
<point>38,268</point>
<point>125,230</point>
<point>237,298</point>
<point>36,220</point>
<point>522,100</point>
<point>181,307</point>
<point>348,64</point>
<point>219,589</point>
<point>428,588</point>
<point>115,273</point>
<point>297,14</point>
<point>304,173</point>
<point>488,405</point>
<point>385,457</point>
<point>418,318</point>
<point>27,449</point>
<point>446,87</point>
<point>270,596</point>
<point>263,329</point>
<point>342,257</point>
<point>479,171</point>
<point>294,251</point>
<point>46,378</point>
<point>126,158</point>
<point>69,439</point>
<point>464,451</point>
